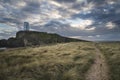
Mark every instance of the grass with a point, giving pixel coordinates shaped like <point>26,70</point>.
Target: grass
<point>112,54</point>
<point>68,61</point>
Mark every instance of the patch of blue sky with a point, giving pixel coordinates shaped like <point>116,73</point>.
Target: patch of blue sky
<point>4,28</point>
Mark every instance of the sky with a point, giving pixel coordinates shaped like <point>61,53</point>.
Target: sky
<point>95,20</point>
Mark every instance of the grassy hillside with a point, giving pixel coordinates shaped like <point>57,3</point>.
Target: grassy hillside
<point>112,53</point>
<point>69,61</point>
<point>30,38</point>
<point>40,38</point>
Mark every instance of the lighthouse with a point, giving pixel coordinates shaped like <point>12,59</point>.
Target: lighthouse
<point>26,26</point>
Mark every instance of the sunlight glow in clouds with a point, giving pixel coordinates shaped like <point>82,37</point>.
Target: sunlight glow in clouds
<point>55,3</point>
<point>110,25</point>
<point>88,7</point>
<point>55,14</point>
<point>21,4</point>
<point>79,37</point>
<point>81,24</point>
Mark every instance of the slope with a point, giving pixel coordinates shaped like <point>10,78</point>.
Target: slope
<point>65,61</point>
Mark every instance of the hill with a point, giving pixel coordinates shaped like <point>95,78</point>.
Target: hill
<point>30,38</point>
<point>64,61</point>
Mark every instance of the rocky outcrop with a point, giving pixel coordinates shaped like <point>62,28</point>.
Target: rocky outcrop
<point>29,38</point>
<point>3,43</point>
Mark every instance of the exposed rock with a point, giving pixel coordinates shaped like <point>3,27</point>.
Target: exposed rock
<point>29,38</point>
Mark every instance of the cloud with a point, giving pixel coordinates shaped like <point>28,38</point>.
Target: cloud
<point>7,31</point>
<point>91,29</point>
<point>5,28</point>
<point>98,36</point>
<point>66,0</point>
<point>81,18</point>
<point>110,25</point>
<point>81,24</point>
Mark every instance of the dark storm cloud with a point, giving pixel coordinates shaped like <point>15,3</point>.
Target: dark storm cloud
<point>14,12</point>
<point>66,0</point>
<point>79,4</point>
<point>52,16</point>
<point>32,7</point>
<point>98,1</point>
<point>89,1</point>
<point>55,26</point>
<point>103,14</point>
<point>10,13</point>
<point>31,10</point>
<point>6,1</point>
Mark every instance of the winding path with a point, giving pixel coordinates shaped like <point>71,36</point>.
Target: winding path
<point>99,70</point>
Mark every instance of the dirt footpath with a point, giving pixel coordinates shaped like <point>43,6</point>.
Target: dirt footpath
<point>99,70</point>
